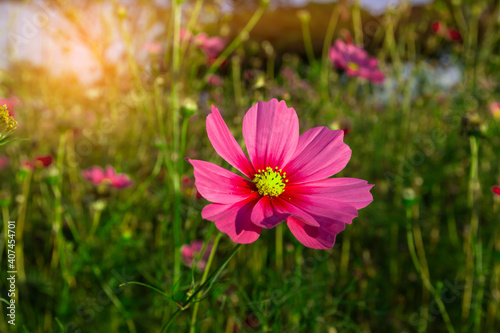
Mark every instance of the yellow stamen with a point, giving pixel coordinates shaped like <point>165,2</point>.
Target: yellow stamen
<point>352,65</point>
<point>7,123</point>
<point>270,182</point>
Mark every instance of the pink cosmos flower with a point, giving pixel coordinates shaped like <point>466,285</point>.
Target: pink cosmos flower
<point>496,189</point>
<point>4,161</point>
<point>355,61</point>
<point>437,26</point>
<point>38,162</point>
<point>215,80</point>
<point>11,103</point>
<point>185,35</point>
<point>448,33</point>
<point>286,178</point>
<point>495,110</point>
<point>211,46</point>
<point>454,34</point>
<point>97,175</point>
<point>153,48</point>
<point>192,251</point>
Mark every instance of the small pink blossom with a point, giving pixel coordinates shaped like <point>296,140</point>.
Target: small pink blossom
<point>187,36</point>
<point>153,48</point>
<point>215,80</point>
<point>454,34</point>
<point>11,103</point>
<point>496,189</point>
<point>192,252</point>
<point>448,33</point>
<point>355,61</point>
<point>96,175</point>
<point>211,46</point>
<point>495,110</point>
<point>39,162</point>
<point>437,26</point>
<point>287,178</point>
<point>4,161</point>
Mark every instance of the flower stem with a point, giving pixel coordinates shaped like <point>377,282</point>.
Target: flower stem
<point>236,71</point>
<point>95,222</point>
<point>235,43</point>
<point>279,247</point>
<point>344,256</point>
<point>192,329</point>
<point>147,286</point>
<point>174,105</point>
<point>425,279</point>
<point>306,35</point>
<point>472,234</point>
<point>325,69</point>
<point>357,24</point>
<point>208,282</point>
<point>20,227</point>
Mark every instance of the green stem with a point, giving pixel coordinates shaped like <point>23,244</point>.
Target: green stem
<point>325,66</point>
<point>425,280</point>
<point>20,227</point>
<point>185,122</point>
<point>243,35</point>
<point>174,105</point>
<point>147,286</point>
<point>357,25</point>
<point>208,282</point>
<point>470,241</point>
<point>60,240</point>
<point>306,35</point>
<point>130,54</point>
<point>344,256</point>
<point>192,20</point>
<point>95,222</point>
<point>236,66</point>
<point>192,329</point>
<point>279,247</point>
<point>109,292</point>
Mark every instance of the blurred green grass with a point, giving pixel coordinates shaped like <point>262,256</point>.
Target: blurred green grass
<point>410,136</point>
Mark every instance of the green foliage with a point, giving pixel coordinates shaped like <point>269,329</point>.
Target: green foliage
<point>91,255</point>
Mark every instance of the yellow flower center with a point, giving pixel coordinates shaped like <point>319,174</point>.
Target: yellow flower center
<point>7,123</point>
<point>270,181</point>
<point>352,65</point>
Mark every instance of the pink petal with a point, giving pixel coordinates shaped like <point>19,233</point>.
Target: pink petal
<point>496,190</point>
<point>110,172</point>
<point>213,46</point>
<point>120,181</point>
<point>341,46</point>
<point>271,133</point>
<point>263,214</point>
<point>373,62</point>
<point>353,191</point>
<point>234,219</point>
<point>95,175</point>
<point>321,205</point>
<point>373,75</point>
<point>336,55</point>
<point>284,206</point>
<point>219,185</point>
<point>187,252</point>
<point>225,144</point>
<point>197,246</point>
<point>322,237</point>
<point>377,77</point>
<point>320,153</point>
